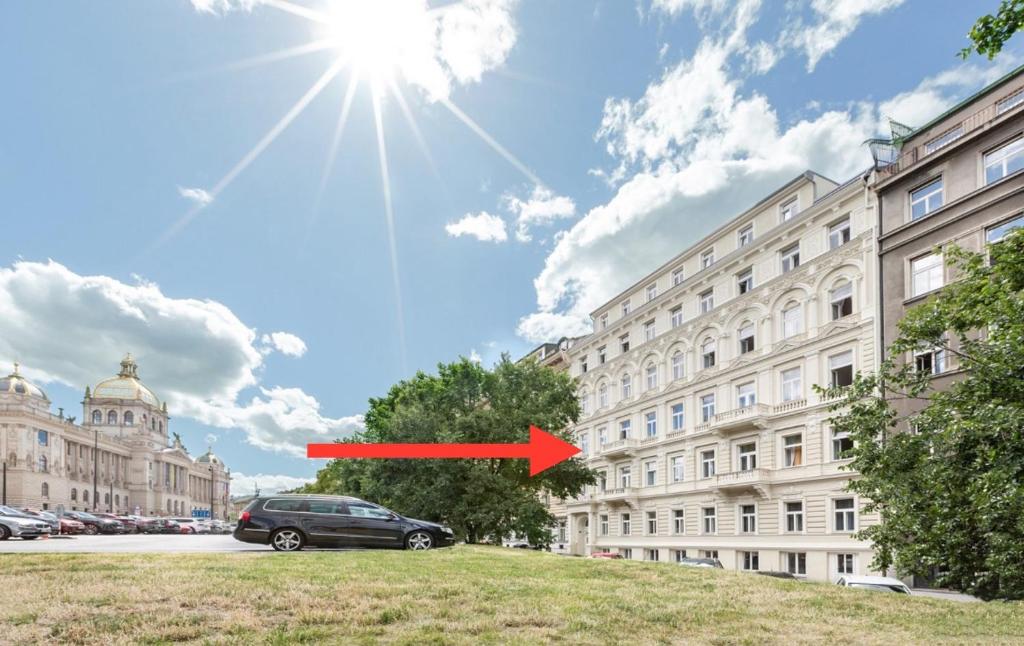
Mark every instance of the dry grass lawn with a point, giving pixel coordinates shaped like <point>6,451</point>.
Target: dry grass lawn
<point>463,595</point>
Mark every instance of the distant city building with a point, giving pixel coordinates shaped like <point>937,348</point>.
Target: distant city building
<point>120,459</point>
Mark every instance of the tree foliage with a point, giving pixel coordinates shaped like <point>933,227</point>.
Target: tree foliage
<point>990,33</point>
<point>945,468</point>
<point>480,499</point>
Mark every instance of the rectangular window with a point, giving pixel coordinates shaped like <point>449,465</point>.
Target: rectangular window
<point>707,463</point>
<point>651,374</point>
<point>839,234</point>
<point>627,386</point>
<point>707,258</point>
<point>749,561</point>
<point>707,353</point>
<point>43,438</point>
<point>677,468</point>
<point>795,562</point>
<point>745,395</point>
<point>747,454</point>
<point>845,514</point>
<point>652,292</point>
<point>625,477</point>
<point>604,321</point>
<point>944,139</point>
<point>792,389</point>
<point>603,524</point>
<point>678,555</point>
<point>626,527</point>
<point>748,519</point>
<point>841,299</point>
<point>794,516</point>
<point>625,429</point>
<point>710,520</point>
<point>602,354</point>
<point>583,364</point>
<point>707,407</point>
<point>651,424</point>
<point>678,522</point>
<point>624,343</point>
<point>930,361</point>
<point>707,301</point>
<point>585,444</point>
<point>649,331</point>
<point>788,210</point>
<point>926,274</point>
<point>602,435</point>
<point>844,564</point>
<point>676,316</point>
<point>745,281</point>
<point>747,338</point>
<point>652,524</point>
<point>708,554</point>
<point>1004,160</point>
<point>1010,102</point>
<point>678,367</point>
<point>745,236</point>
<point>627,553</point>
<point>997,233</point>
<point>678,418</point>
<point>926,199</point>
<point>650,555</point>
<point>790,258</point>
<point>792,321</point>
<point>842,445</point>
<point>677,276</point>
<point>793,450</point>
<point>841,369</point>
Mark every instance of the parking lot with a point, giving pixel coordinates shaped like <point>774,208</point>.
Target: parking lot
<point>132,543</point>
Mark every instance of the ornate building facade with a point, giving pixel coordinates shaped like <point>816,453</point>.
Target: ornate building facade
<point>119,459</point>
<point>696,390</point>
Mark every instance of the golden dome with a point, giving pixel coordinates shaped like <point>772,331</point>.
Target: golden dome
<point>15,384</point>
<point>126,385</point>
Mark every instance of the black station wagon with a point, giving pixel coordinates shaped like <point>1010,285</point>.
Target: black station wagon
<point>290,522</point>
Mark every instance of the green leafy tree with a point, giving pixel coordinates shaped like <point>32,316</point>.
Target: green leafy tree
<point>481,499</point>
<point>945,467</point>
<point>990,33</point>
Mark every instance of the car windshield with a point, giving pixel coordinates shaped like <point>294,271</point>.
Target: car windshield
<point>9,511</point>
<point>86,516</point>
<point>879,587</point>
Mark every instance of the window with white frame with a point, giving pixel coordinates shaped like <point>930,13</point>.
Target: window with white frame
<point>651,376</point>
<point>944,139</point>
<point>677,276</point>
<point>844,511</point>
<point>788,210</point>
<point>651,424</point>
<point>746,337</point>
<point>678,467</point>
<point>794,516</point>
<point>707,301</point>
<point>602,481</point>
<point>651,554</point>
<point>842,444</point>
<point>926,274</point>
<point>585,443</point>
<point>749,561</point>
<point>793,450</point>
<point>603,524</point>
<point>625,477</point>
<point>604,321</point>
<point>707,407</point>
<point>678,555</point>
<point>602,436</point>
<point>745,235</point>
<point>678,365</point>
<point>997,233</point>
<point>583,365</point>
<point>562,533</point>
<point>625,429</point>
<point>676,316</point>
<point>709,518</point>
<point>649,331</point>
<point>845,564</point>
<point>795,562</point>
<point>626,524</point>
<point>707,353</point>
<point>926,199</point>
<point>1010,102</point>
<point>748,519</point>
<point>652,523</point>
<point>1004,160</point>
<point>650,473</point>
<point>585,403</point>
<point>678,522</point>
<point>602,395</point>
<point>624,343</point>
<point>627,386</point>
<point>745,281</point>
<point>841,300</point>
<point>627,553</point>
<point>840,367</point>
<point>708,554</point>
<point>790,257</point>
<point>745,395</point>
<point>707,463</point>
<point>625,307</point>
<point>839,233</point>
<point>652,292</point>
<point>678,417</point>
<point>707,258</point>
<point>602,354</point>
<point>747,456</point>
<point>792,320</point>
<point>792,388</point>
<point>930,360</point>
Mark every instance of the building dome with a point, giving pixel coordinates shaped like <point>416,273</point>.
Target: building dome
<point>15,384</point>
<point>126,385</point>
<point>208,458</point>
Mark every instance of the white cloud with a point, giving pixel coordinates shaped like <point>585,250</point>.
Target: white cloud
<point>482,226</point>
<point>198,195</point>
<point>286,343</point>
<point>220,7</point>
<point>541,208</point>
<point>475,36</point>
<point>834,21</point>
<point>194,353</point>
<point>245,485</point>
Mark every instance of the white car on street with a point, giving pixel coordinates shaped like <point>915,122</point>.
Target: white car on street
<point>874,583</point>
<point>22,527</point>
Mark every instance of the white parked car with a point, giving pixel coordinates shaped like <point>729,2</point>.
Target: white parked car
<point>193,525</point>
<point>874,583</point>
<point>22,527</point>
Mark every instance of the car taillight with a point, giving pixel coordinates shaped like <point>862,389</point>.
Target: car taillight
<point>244,517</point>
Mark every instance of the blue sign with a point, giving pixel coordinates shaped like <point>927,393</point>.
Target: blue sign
<point>200,513</point>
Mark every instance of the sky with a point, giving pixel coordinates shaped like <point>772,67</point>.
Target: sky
<point>282,208</point>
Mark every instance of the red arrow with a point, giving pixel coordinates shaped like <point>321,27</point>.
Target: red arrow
<point>544,450</point>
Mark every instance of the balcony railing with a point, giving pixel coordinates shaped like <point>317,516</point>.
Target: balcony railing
<point>737,481</point>
<point>741,419</point>
<point>619,447</point>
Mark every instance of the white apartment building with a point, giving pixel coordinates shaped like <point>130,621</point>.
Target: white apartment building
<point>696,390</point>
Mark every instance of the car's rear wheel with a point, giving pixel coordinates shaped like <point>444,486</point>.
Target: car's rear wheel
<point>91,529</point>
<point>287,540</point>
<point>4,533</point>
<point>419,540</point>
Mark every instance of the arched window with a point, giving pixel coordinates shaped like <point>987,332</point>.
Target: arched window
<point>160,426</point>
<point>841,300</point>
<point>678,371</point>
<point>129,418</point>
<point>85,495</point>
<point>42,463</point>
<point>651,376</point>
<point>112,417</point>
<point>627,386</point>
<point>152,424</point>
<point>602,395</point>
<point>792,320</point>
<point>106,499</point>
<point>74,494</point>
<point>45,490</point>
<point>97,417</point>
<point>707,352</point>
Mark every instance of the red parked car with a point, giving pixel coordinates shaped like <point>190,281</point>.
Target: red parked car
<point>605,555</point>
<point>71,526</point>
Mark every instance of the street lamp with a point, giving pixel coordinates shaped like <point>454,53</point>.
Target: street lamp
<point>95,467</point>
<point>4,488</point>
<point>211,492</point>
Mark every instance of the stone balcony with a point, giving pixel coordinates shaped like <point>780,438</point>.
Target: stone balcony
<point>621,496</point>
<point>620,448</point>
<point>738,482</point>
<point>739,420</point>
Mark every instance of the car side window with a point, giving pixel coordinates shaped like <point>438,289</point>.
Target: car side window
<point>326,507</point>
<point>364,510</point>
<point>283,505</point>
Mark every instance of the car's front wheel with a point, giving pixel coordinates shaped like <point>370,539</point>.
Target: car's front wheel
<point>91,530</point>
<point>419,540</point>
<point>287,540</point>
<point>4,533</point>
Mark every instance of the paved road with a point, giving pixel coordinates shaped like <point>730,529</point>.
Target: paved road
<point>132,543</point>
